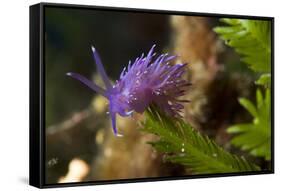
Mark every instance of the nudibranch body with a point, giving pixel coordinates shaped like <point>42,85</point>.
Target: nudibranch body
<point>147,81</point>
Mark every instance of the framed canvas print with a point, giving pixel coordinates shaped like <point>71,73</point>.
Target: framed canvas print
<point>124,95</point>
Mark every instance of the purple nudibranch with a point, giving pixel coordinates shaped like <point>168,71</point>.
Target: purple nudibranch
<point>142,83</point>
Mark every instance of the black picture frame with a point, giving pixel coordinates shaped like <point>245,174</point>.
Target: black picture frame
<point>37,95</point>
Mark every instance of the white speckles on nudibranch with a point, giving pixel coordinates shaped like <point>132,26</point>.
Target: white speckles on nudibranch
<point>147,81</point>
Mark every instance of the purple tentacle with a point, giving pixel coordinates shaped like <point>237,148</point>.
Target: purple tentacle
<point>87,82</point>
<point>113,123</point>
<point>101,69</point>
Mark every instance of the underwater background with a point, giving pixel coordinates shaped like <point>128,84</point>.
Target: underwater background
<point>80,145</point>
